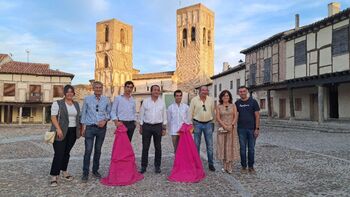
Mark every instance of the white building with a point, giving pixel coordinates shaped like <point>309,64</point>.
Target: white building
<point>230,79</point>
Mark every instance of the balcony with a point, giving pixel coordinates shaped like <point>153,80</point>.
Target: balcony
<point>34,97</point>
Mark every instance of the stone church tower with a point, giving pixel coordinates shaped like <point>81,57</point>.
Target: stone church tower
<point>195,47</point>
<point>113,64</point>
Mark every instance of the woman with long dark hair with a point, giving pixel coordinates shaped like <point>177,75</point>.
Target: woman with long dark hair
<point>65,118</point>
<point>227,138</point>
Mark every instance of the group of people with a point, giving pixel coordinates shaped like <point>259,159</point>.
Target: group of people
<point>155,120</point>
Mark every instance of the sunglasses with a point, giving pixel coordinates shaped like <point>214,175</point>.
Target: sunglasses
<point>226,108</point>
<point>204,109</point>
<point>96,108</point>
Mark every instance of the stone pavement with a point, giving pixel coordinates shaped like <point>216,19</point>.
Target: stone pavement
<point>288,163</point>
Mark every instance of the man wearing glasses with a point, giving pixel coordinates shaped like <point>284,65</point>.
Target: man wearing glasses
<point>202,113</point>
<point>94,116</point>
<point>124,109</point>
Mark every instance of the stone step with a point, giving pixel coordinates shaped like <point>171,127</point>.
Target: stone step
<point>306,126</point>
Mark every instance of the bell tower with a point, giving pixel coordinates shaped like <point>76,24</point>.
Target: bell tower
<point>195,46</point>
<point>113,63</point>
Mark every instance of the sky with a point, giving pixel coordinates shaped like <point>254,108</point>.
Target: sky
<point>62,32</point>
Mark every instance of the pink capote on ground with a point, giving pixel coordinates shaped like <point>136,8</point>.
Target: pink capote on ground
<point>122,170</point>
<point>187,166</point>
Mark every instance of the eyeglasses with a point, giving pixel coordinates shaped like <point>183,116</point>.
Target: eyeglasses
<point>96,108</point>
<point>204,109</point>
<point>226,108</point>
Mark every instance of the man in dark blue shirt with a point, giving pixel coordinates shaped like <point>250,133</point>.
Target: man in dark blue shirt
<point>248,128</point>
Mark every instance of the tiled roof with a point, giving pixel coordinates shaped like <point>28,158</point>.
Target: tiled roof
<point>3,56</point>
<point>239,67</point>
<point>342,15</point>
<point>14,67</point>
<point>268,41</point>
<point>158,75</point>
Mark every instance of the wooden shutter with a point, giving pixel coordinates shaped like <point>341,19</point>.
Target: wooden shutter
<point>9,89</point>
<point>252,76</point>
<point>300,53</point>
<point>340,41</point>
<point>267,70</point>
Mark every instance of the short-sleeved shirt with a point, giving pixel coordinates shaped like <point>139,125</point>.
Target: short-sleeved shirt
<point>246,113</point>
<point>72,113</point>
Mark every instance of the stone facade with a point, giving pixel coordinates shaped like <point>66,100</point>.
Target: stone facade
<point>25,95</point>
<point>114,65</point>
<point>195,46</point>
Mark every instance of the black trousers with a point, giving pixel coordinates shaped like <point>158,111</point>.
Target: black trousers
<point>62,152</point>
<point>149,130</point>
<point>130,125</point>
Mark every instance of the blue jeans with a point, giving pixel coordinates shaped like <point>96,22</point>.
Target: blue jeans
<point>246,137</point>
<point>90,134</point>
<point>207,129</point>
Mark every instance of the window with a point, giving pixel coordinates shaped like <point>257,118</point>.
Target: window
<point>263,103</point>
<point>122,36</point>
<point>300,53</point>
<point>204,36</point>
<point>35,90</point>
<point>238,84</point>
<point>298,104</point>
<point>252,75</point>
<point>147,88</point>
<point>9,89</point>
<point>215,91</point>
<point>106,61</point>
<point>193,34</point>
<point>340,41</point>
<point>267,70</point>
<point>58,91</point>
<point>231,84</point>
<point>209,38</point>
<point>184,37</point>
<point>106,33</point>
<point>220,87</point>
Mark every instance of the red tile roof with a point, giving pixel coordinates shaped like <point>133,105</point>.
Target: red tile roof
<point>3,56</point>
<point>14,67</point>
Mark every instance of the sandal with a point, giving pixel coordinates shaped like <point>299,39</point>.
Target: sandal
<point>68,178</point>
<point>53,183</point>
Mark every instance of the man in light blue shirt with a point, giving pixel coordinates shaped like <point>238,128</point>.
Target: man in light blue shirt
<point>94,116</point>
<point>124,109</point>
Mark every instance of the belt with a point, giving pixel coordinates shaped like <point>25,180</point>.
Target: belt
<point>95,126</point>
<point>145,123</point>
<point>128,121</point>
<point>202,121</point>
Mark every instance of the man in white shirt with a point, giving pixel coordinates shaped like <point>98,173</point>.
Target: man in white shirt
<point>153,123</point>
<point>177,114</point>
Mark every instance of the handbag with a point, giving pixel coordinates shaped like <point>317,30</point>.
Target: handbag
<point>49,137</point>
<point>222,130</point>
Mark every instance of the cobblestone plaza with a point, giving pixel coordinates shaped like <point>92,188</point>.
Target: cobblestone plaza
<point>289,162</point>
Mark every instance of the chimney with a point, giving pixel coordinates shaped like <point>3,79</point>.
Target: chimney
<point>333,8</point>
<point>297,21</point>
<point>225,66</point>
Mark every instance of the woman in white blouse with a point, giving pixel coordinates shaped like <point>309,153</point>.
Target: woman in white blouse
<point>65,118</point>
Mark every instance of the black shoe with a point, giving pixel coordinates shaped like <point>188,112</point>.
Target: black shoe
<point>157,170</point>
<point>212,168</point>
<point>97,174</point>
<point>143,170</point>
<point>85,178</point>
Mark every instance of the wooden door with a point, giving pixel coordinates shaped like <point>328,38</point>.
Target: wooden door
<point>282,111</point>
<point>314,107</point>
